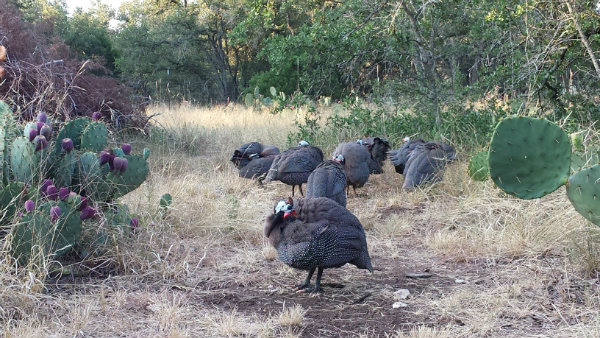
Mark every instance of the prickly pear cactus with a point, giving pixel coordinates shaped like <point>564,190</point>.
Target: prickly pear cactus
<point>73,130</point>
<point>130,179</point>
<point>478,166</point>
<point>10,196</point>
<point>24,160</point>
<point>89,178</point>
<point>529,157</point>
<point>583,190</point>
<point>64,168</point>
<point>7,129</point>
<point>94,137</point>
<point>66,230</point>
<point>30,238</point>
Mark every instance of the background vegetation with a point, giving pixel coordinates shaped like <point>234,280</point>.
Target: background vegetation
<point>436,60</point>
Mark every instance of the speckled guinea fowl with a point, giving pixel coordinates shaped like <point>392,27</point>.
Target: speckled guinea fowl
<point>317,233</point>
<point>328,180</point>
<point>399,157</point>
<point>378,148</point>
<point>254,159</point>
<point>426,162</point>
<point>293,166</point>
<point>257,167</point>
<point>356,166</point>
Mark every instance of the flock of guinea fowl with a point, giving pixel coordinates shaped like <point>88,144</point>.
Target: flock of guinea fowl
<point>318,232</point>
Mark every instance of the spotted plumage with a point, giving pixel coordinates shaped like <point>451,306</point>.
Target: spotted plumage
<point>328,180</point>
<point>356,163</point>
<point>317,233</point>
<point>254,159</point>
<point>294,166</point>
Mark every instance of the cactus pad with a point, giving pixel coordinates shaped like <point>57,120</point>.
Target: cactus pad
<point>24,161</point>
<point>67,230</point>
<point>529,157</point>
<point>94,137</point>
<point>478,166</point>
<point>73,130</point>
<point>583,190</point>
<point>89,177</point>
<point>7,127</point>
<point>9,200</point>
<point>130,179</point>
<point>31,236</point>
<point>64,169</point>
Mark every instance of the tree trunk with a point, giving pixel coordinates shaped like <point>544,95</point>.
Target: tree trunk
<point>583,38</point>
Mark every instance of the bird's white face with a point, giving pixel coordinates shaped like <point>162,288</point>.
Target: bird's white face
<point>360,142</point>
<point>406,139</point>
<point>283,206</point>
<point>302,143</point>
<point>339,158</point>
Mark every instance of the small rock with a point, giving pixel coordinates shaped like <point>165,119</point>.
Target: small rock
<point>401,294</point>
<point>399,305</point>
<point>460,281</point>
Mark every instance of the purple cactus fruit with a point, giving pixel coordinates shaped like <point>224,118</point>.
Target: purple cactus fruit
<point>134,223</point>
<point>105,157</point>
<point>87,212</point>
<point>39,125</point>
<point>84,203</point>
<point>29,205</point>
<point>96,116</point>
<point>45,184</point>
<point>40,142</point>
<point>67,144</point>
<point>20,213</point>
<point>124,164</point>
<point>52,192</point>
<point>63,193</point>
<point>126,147</point>
<point>32,134</point>
<point>42,117</point>
<point>54,213</point>
<point>118,164</point>
<point>46,131</point>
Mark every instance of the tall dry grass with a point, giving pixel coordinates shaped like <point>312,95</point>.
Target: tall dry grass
<point>522,261</point>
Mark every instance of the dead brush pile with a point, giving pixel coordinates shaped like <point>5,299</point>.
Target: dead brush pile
<point>41,75</point>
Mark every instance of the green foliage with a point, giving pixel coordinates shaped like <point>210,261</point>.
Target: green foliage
<point>88,36</point>
<point>478,168</point>
<point>529,157</point>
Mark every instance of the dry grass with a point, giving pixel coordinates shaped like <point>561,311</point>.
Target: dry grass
<point>501,267</point>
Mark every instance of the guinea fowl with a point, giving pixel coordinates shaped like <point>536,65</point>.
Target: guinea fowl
<point>316,233</point>
<point>426,162</point>
<point>293,166</point>
<point>254,159</point>
<point>378,148</point>
<point>399,157</point>
<point>328,180</point>
<point>356,166</point>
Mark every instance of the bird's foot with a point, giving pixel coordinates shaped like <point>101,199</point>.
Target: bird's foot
<point>311,290</point>
<point>300,287</point>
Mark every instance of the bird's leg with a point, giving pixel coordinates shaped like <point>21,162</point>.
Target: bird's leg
<point>306,281</point>
<point>354,189</point>
<point>301,193</point>
<point>293,189</point>
<point>317,288</point>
